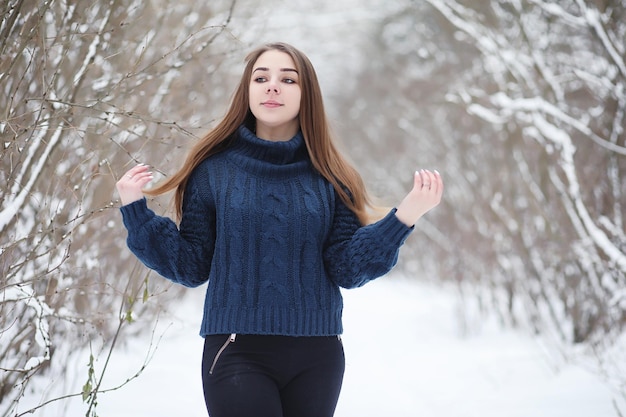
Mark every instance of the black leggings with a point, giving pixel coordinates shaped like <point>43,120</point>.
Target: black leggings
<point>272,376</point>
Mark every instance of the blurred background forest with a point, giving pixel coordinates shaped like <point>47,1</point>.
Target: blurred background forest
<point>520,104</point>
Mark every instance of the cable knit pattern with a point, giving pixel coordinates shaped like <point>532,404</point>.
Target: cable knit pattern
<point>271,237</point>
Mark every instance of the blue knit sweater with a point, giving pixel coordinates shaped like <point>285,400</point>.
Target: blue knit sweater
<point>271,237</point>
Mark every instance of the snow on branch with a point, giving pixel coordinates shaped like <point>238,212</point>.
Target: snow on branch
<point>553,133</point>
<point>25,294</point>
<point>12,207</point>
<point>592,17</point>
<point>556,10</point>
<point>489,42</point>
<point>540,105</point>
<point>537,108</point>
<point>93,48</point>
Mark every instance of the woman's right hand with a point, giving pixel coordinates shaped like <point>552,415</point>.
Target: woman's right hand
<point>130,186</point>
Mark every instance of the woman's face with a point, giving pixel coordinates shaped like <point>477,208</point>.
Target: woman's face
<point>275,96</point>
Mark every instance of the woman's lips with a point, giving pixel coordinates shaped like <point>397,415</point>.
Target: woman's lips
<point>271,104</point>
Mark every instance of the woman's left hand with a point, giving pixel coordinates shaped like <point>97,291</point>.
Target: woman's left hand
<point>425,195</point>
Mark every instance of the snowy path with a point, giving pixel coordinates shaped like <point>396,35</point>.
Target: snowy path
<point>405,357</point>
<point>430,369</point>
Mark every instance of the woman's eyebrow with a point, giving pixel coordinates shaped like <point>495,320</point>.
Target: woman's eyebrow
<point>281,69</point>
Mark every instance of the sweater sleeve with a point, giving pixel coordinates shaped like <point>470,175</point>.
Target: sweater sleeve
<point>181,255</point>
<point>355,254</point>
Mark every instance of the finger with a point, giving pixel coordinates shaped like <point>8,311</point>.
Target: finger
<point>136,170</point>
<point>428,179</point>
<point>417,180</point>
<point>139,168</point>
<point>141,180</point>
<point>140,175</point>
<point>419,175</point>
<point>434,180</point>
<point>438,182</point>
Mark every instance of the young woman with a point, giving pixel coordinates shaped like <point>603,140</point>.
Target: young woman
<point>276,221</point>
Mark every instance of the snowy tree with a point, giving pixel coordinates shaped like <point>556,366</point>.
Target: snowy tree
<point>521,104</point>
<point>551,82</point>
<point>89,89</point>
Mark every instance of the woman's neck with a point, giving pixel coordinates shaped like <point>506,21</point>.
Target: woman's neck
<point>280,133</point>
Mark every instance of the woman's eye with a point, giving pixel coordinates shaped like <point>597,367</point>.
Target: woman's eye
<point>265,79</point>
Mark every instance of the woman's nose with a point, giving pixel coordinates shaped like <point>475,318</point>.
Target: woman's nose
<point>272,87</point>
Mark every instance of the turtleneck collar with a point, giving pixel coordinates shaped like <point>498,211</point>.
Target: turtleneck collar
<point>276,153</point>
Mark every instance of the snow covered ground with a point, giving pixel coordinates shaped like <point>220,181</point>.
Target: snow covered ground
<point>405,356</point>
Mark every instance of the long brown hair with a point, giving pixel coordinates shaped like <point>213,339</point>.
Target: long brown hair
<point>324,155</point>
